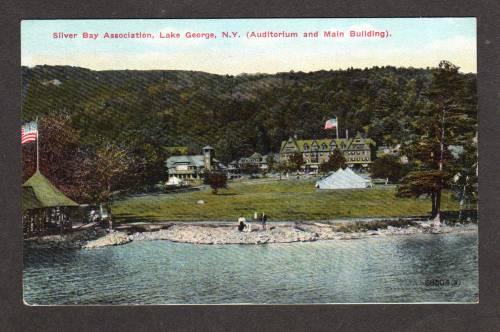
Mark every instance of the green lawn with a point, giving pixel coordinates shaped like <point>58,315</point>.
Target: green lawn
<point>280,200</point>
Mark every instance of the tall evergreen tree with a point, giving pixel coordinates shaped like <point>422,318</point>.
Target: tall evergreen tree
<point>447,119</point>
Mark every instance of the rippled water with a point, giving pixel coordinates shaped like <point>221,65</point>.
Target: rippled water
<point>377,269</point>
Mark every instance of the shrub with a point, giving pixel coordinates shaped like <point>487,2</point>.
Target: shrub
<point>216,181</point>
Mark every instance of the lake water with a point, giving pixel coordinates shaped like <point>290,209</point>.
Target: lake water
<point>417,268</point>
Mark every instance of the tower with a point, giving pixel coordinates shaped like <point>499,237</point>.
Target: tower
<point>208,157</point>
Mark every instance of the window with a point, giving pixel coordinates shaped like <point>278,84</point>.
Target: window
<point>323,146</point>
<point>306,147</point>
<point>314,158</point>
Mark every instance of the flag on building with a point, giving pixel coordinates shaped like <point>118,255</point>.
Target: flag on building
<point>29,132</point>
<point>331,124</point>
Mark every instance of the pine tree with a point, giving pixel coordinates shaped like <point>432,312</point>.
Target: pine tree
<point>447,119</point>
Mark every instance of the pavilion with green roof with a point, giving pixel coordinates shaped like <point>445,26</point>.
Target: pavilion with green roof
<point>44,207</point>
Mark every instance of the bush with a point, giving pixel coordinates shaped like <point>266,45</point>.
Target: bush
<point>216,181</point>
<point>387,167</point>
<point>335,161</point>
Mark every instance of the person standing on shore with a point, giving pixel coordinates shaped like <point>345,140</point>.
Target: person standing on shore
<point>264,220</point>
<point>248,225</point>
<point>241,223</point>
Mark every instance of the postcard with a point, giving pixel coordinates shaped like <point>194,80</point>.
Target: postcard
<point>249,161</point>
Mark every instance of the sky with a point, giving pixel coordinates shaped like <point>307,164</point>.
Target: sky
<point>413,42</point>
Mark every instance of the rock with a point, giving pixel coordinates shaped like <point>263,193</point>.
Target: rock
<point>112,239</point>
<point>200,202</point>
<point>321,224</point>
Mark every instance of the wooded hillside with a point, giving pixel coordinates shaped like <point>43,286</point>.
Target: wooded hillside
<point>144,112</point>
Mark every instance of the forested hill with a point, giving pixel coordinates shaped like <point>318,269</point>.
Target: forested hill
<point>236,114</point>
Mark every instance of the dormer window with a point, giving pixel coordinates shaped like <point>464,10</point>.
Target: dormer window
<point>323,146</point>
<point>306,147</point>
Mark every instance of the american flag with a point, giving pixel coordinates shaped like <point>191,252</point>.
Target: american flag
<point>330,124</point>
<point>29,132</point>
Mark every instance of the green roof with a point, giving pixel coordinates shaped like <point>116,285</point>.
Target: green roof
<point>256,155</point>
<point>327,141</point>
<point>192,160</point>
<point>29,200</point>
<point>38,191</point>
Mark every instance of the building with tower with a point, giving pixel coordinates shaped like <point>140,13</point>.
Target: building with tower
<point>192,167</point>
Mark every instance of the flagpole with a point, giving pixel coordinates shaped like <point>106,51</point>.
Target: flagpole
<point>337,127</point>
<point>37,153</point>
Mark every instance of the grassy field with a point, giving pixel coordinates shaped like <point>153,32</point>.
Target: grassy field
<point>280,200</point>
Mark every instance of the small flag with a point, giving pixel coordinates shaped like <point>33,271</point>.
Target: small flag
<point>29,132</point>
<point>331,124</point>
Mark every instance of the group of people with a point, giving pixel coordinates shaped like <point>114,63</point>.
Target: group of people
<point>243,223</point>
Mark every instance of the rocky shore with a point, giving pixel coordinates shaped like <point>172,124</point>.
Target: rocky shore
<point>111,239</point>
<point>73,240</point>
<point>284,234</point>
<point>223,233</point>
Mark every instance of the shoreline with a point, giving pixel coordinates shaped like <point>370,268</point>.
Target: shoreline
<point>300,232</point>
<point>215,233</point>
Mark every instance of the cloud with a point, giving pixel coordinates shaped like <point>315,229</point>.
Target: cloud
<point>460,50</point>
<point>454,44</point>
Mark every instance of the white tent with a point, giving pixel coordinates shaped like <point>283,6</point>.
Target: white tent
<point>173,181</point>
<point>343,179</point>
